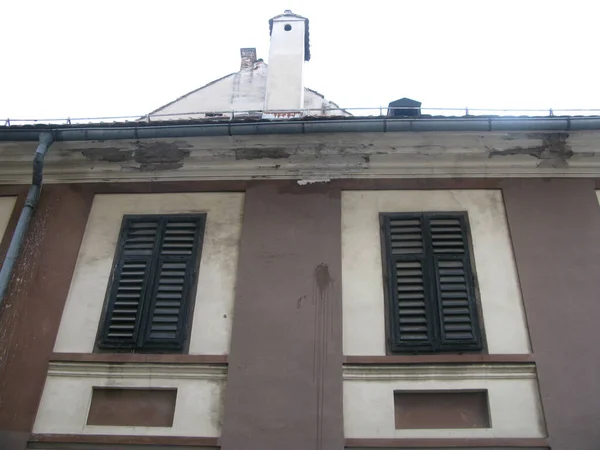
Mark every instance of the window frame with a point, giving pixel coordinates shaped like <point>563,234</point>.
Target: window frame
<point>141,344</point>
<point>431,284</point>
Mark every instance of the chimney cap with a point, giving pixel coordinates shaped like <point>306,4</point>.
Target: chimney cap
<point>248,57</point>
<point>288,14</point>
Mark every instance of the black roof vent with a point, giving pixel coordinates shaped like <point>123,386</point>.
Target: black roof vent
<point>404,107</point>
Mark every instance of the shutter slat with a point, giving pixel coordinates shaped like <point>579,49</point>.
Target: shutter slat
<point>406,236</point>
<point>412,315</point>
<point>125,305</point>
<point>457,313</point>
<point>446,235</point>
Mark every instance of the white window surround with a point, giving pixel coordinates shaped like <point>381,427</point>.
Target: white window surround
<point>513,396</point>
<point>7,204</point>
<point>364,312</point>
<point>67,396</point>
<point>213,306</point>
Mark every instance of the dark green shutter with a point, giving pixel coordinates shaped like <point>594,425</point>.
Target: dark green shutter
<point>429,281</point>
<point>410,294</point>
<point>173,279</point>
<point>152,281</point>
<point>457,313</point>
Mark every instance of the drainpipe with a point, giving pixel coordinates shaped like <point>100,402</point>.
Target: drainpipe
<point>45,140</point>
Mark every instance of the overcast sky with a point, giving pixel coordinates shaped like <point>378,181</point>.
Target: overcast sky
<point>108,58</point>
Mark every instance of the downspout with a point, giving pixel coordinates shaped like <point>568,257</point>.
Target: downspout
<point>45,140</point>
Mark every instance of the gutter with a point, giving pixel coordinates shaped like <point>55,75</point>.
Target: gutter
<point>142,130</point>
<point>45,140</point>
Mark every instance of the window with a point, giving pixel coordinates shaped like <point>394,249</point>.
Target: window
<point>430,287</point>
<point>152,282</point>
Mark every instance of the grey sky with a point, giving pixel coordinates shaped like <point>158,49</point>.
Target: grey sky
<point>98,58</point>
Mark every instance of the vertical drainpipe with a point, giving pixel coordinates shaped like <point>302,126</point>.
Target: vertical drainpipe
<point>45,140</point>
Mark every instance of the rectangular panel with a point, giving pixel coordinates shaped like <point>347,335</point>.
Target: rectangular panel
<point>439,409</point>
<point>132,407</point>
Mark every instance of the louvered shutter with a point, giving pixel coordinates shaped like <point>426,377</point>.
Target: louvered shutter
<point>430,284</point>
<point>454,284</point>
<point>411,311</point>
<point>152,281</point>
<point>130,284</point>
<point>173,282</point>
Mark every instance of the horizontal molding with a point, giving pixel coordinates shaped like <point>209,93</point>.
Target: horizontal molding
<point>138,358</point>
<point>184,441</point>
<point>137,370</point>
<point>323,173</point>
<point>318,156</point>
<point>438,359</point>
<point>539,443</point>
<point>439,372</point>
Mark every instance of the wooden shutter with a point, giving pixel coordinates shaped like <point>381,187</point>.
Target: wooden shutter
<point>174,277</point>
<point>430,285</point>
<point>454,282</point>
<point>411,311</point>
<point>152,280</point>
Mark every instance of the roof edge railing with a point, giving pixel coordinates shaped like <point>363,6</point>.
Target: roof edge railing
<point>378,111</point>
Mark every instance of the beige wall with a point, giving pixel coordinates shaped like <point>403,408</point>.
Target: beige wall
<point>362,281</point>
<point>7,205</point>
<point>67,396</point>
<point>514,404</point>
<point>211,327</point>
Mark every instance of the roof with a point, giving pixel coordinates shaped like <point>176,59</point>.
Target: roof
<point>304,125</point>
<point>290,14</point>
<point>190,93</point>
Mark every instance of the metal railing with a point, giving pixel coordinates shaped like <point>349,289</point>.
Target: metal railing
<point>333,111</point>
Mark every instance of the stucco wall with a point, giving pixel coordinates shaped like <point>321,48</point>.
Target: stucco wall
<point>285,81</point>
<point>6,208</point>
<point>241,91</point>
<point>514,405</point>
<point>362,281</point>
<point>67,396</point>
<point>211,325</point>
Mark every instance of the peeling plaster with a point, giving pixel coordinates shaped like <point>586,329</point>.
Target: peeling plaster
<point>259,153</point>
<point>107,154</point>
<point>161,155</point>
<point>313,181</point>
<point>554,150</point>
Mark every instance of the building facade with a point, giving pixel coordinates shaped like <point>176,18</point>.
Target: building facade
<point>250,281</point>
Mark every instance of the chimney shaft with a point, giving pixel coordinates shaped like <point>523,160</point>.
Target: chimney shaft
<point>288,51</point>
<point>248,58</point>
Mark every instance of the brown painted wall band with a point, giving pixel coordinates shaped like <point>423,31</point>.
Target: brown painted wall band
<point>184,441</point>
<point>32,310</point>
<point>439,359</point>
<point>555,229</point>
<point>457,443</point>
<point>284,386</point>
<point>144,358</point>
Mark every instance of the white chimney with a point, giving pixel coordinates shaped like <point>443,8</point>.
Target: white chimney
<point>289,49</point>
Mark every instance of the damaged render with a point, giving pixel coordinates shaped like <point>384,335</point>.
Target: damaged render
<point>554,151</point>
<point>150,156</point>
